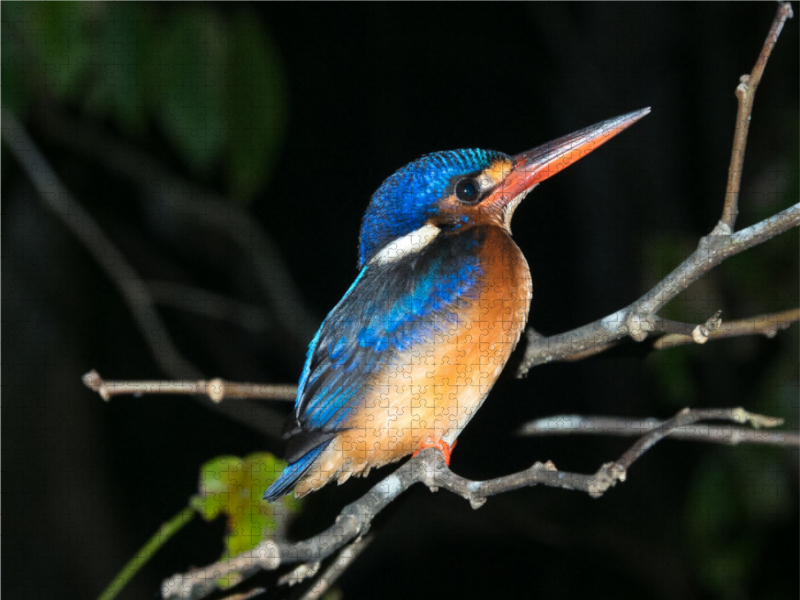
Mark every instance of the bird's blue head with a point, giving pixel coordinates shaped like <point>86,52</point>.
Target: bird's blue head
<point>438,189</point>
<point>457,189</point>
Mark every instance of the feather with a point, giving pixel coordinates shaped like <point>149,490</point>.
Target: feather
<point>390,310</point>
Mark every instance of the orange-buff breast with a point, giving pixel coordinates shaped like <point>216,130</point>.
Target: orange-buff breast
<point>435,390</point>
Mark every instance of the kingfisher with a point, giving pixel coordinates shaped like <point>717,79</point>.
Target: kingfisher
<point>409,354</point>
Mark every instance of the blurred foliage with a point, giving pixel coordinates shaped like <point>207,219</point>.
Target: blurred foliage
<point>735,497</point>
<point>213,85</point>
<point>233,486</point>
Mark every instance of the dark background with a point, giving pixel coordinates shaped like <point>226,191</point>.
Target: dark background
<point>351,94</point>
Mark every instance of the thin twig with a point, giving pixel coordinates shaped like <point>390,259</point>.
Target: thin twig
<point>745,94</point>
<point>216,389</point>
<point>638,319</point>
<point>608,474</point>
<point>257,591</point>
<point>189,200</point>
<point>712,250</point>
<point>134,565</point>
<point>332,573</point>
<point>429,468</point>
<point>697,333</point>
<point>729,435</point>
<point>133,290</point>
<point>353,521</point>
<point>767,325</point>
<point>635,321</point>
<point>645,327</point>
<point>88,231</point>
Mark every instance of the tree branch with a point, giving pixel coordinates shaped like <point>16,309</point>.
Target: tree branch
<point>88,231</point>
<point>353,521</point>
<point>429,468</point>
<point>190,201</point>
<point>729,435</point>
<point>640,318</point>
<point>745,94</point>
<point>133,290</point>
<point>216,389</point>
<point>686,333</point>
<point>332,573</point>
<point>768,325</point>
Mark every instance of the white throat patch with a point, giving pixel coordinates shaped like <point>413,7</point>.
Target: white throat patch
<point>509,209</point>
<point>408,244</point>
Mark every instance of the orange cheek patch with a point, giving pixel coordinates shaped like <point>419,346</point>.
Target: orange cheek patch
<point>499,169</point>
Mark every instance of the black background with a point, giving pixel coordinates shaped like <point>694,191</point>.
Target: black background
<point>371,88</point>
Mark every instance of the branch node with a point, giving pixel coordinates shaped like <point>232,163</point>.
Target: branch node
<point>740,414</point>
<point>346,515</point>
<point>756,420</point>
<point>714,322</point>
<point>619,472</point>
<point>605,478</point>
<point>299,574</point>
<point>718,238</point>
<point>94,382</point>
<point>476,501</point>
<point>638,326</point>
<point>701,333</point>
<point>548,466</point>
<point>215,389</point>
<point>428,463</point>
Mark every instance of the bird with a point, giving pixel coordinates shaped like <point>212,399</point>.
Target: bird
<point>411,351</point>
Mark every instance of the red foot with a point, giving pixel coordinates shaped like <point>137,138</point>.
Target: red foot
<point>441,446</point>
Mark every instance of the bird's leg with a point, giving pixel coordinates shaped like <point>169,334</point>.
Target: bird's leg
<point>441,446</point>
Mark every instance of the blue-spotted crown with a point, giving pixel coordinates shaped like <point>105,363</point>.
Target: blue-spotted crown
<point>407,199</point>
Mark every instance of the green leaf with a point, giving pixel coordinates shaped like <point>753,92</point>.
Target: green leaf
<point>233,487</point>
<point>186,84</point>
<point>119,63</point>
<point>716,527</point>
<point>58,35</point>
<point>14,85</point>
<point>733,500</point>
<point>255,107</point>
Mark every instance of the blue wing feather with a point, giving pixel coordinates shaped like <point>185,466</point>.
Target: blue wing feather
<point>291,475</point>
<point>389,309</point>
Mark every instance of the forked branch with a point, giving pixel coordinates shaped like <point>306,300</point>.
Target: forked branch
<point>767,325</point>
<point>640,319</point>
<point>745,94</point>
<point>429,468</point>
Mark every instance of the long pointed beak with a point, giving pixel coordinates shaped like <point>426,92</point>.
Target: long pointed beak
<point>534,166</point>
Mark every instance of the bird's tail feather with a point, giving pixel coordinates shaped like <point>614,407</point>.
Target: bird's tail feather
<point>292,474</point>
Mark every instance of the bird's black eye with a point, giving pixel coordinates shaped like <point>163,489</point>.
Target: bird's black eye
<point>467,190</point>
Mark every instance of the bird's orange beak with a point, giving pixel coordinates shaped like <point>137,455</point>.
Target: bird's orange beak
<point>534,166</point>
